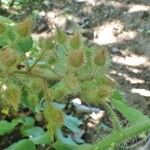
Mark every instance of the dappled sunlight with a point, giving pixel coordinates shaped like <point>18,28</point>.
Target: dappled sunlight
<point>142,92</point>
<point>55,17</point>
<point>132,80</point>
<point>117,4</point>
<point>113,32</point>
<point>132,60</point>
<point>136,8</point>
<point>134,70</point>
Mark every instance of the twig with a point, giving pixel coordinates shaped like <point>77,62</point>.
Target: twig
<point>36,75</point>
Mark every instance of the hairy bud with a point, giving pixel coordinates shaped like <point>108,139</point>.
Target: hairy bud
<point>12,97</point>
<point>8,57</point>
<point>24,28</point>
<point>75,41</point>
<point>104,92</point>
<point>101,57</point>
<point>109,81</point>
<point>54,118</point>
<point>76,58</point>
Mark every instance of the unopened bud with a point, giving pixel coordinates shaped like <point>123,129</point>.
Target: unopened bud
<point>76,58</point>
<point>101,57</point>
<point>24,28</point>
<point>104,92</point>
<point>8,57</point>
<point>75,41</point>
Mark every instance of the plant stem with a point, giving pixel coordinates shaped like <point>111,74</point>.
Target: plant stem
<point>46,92</point>
<point>115,120</point>
<point>28,66</point>
<point>94,71</point>
<point>37,60</point>
<point>51,79</point>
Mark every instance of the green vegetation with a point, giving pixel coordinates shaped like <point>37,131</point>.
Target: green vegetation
<point>36,73</point>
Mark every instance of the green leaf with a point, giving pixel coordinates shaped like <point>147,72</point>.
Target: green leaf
<point>42,139</point>
<point>22,145</point>
<point>5,20</point>
<point>10,34</point>
<point>8,127</point>
<point>33,132</point>
<point>28,121</point>
<point>66,143</point>
<point>3,41</point>
<point>24,44</point>
<point>58,105</point>
<point>72,123</point>
<point>37,135</point>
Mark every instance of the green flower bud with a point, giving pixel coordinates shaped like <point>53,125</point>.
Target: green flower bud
<point>76,58</point>
<point>101,57</point>
<point>75,41</point>
<point>24,28</point>
<point>104,92</point>
<point>8,57</point>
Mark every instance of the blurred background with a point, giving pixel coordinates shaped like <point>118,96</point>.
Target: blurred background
<point>122,25</point>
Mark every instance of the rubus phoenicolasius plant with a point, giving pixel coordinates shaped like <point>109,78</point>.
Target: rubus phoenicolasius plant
<point>34,73</point>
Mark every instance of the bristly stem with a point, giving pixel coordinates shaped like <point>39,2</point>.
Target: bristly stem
<point>50,79</point>
<point>46,92</point>
<point>114,118</point>
<point>94,72</point>
<point>37,60</point>
<point>27,63</point>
